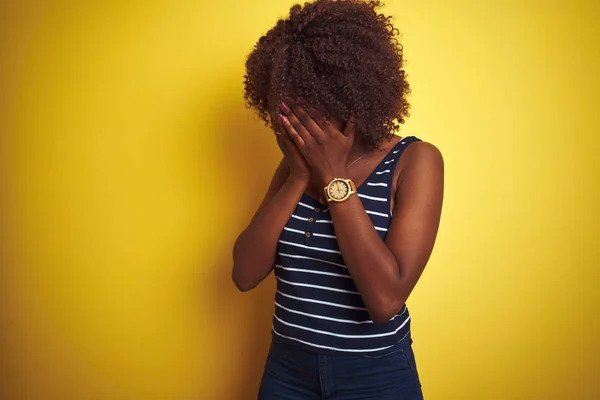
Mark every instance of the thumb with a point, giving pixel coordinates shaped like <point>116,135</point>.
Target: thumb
<point>350,126</point>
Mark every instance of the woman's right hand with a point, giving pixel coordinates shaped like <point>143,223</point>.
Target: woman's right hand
<point>299,168</point>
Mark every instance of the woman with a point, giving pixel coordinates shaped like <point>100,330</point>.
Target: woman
<point>350,218</point>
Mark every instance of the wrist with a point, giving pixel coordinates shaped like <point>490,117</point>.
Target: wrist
<point>327,177</point>
<point>299,179</point>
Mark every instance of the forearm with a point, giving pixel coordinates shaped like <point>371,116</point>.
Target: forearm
<point>372,265</point>
<point>254,250</point>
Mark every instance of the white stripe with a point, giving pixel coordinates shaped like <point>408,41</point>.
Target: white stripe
<point>327,303</point>
<point>305,205</point>
<point>310,248</point>
<point>376,213</point>
<point>387,162</point>
<point>377,184</point>
<point>324,235</point>
<point>308,285</point>
<point>337,348</point>
<point>382,172</point>
<point>345,321</point>
<point>381,229</point>
<point>377,335</point>
<point>300,218</point>
<point>293,230</point>
<point>395,152</point>
<point>310,271</point>
<point>364,196</point>
<point>312,258</point>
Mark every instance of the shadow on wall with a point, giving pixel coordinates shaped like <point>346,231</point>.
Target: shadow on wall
<point>250,158</point>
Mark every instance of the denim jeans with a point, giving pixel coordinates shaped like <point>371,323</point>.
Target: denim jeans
<point>292,373</point>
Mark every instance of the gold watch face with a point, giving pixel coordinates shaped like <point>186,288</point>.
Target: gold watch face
<point>338,189</point>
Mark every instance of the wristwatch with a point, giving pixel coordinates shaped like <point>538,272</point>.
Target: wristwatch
<point>339,190</point>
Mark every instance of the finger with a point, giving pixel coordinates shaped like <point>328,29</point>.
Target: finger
<point>279,137</point>
<point>292,132</point>
<point>283,141</point>
<point>295,123</point>
<point>317,116</point>
<point>286,144</point>
<point>350,126</point>
<point>320,119</point>
<point>309,123</point>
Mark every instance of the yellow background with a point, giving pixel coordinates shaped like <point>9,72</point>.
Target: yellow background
<point>129,165</point>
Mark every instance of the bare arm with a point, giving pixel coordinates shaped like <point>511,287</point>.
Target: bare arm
<point>254,250</point>
<point>386,272</point>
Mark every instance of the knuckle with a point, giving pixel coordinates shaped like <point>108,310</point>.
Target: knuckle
<point>296,124</point>
<point>303,117</point>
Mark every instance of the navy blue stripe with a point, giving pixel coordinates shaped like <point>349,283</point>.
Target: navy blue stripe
<point>308,276</point>
<point>292,260</point>
<point>321,309</point>
<point>348,299</point>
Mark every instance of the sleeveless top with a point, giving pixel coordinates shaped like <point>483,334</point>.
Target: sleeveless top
<point>317,304</point>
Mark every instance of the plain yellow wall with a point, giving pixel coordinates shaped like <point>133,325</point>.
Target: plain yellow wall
<point>129,164</point>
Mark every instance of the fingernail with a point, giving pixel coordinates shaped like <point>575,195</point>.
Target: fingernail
<point>285,107</point>
<point>283,118</point>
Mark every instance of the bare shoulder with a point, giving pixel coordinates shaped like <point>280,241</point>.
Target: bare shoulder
<point>422,163</point>
<point>421,154</point>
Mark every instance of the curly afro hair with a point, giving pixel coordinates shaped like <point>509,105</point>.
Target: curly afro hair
<point>339,56</point>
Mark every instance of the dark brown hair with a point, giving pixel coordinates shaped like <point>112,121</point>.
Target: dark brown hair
<point>339,56</point>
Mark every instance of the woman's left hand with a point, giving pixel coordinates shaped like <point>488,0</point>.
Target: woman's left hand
<point>324,147</point>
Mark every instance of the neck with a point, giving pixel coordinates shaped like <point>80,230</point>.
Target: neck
<point>358,150</point>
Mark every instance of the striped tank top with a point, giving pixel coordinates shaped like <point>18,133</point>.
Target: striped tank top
<point>317,304</point>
